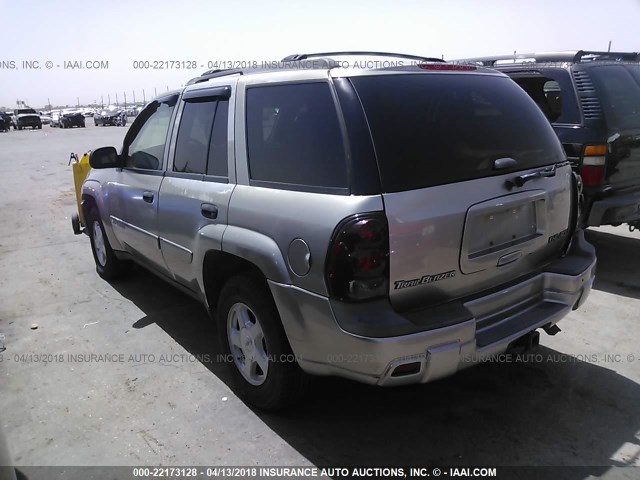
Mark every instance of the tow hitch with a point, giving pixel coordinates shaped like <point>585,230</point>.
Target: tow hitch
<point>524,343</point>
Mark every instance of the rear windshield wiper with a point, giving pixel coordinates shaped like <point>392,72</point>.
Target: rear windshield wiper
<point>520,180</point>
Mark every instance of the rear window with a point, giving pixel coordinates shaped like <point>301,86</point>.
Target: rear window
<point>433,129</point>
<point>618,88</point>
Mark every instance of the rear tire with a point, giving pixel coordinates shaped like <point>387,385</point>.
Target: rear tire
<point>251,335</point>
<point>108,266</point>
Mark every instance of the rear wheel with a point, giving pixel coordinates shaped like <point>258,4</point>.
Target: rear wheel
<point>261,362</point>
<point>108,265</point>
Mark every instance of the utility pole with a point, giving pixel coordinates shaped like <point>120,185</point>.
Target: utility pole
<point>144,98</point>
<point>134,97</point>
<point>125,99</point>
<point>101,101</point>
<point>609,49</point>
<point>117,104</point>
<point>109,98</point>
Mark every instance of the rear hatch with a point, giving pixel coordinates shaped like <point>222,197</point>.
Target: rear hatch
<point>456,224</point>
<point>618,90</point>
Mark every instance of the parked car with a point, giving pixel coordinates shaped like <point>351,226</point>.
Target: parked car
<point>55,119</point>
<point>390,226</point>
<point>593,101</point>
<point>46,119</point>
<point>110,117</point>
<point>72,119</point>
<point>5,122</point>
<point>26,117</point>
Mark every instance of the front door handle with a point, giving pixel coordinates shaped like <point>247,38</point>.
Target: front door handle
<point>209,210</point>
<point>148,197</point>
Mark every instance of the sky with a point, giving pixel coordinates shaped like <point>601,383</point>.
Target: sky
<point>118,37</point>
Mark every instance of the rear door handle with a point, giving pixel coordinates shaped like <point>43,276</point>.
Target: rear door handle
<point>209,210</point>
<point>148,197</point>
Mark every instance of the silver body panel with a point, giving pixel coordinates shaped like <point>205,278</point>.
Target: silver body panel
<point>135,220</point>
<point>455,227</point>
<point>441,351</point>
<point>431,231</point>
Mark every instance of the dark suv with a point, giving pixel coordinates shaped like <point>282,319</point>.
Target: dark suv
<point>592,100</point>
<point>5,122</point>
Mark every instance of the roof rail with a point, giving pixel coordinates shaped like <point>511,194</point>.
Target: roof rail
<point>304,56</point>
<point>209,74</point>
<point>573,56</point>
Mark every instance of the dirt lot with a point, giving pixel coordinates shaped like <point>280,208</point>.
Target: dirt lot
<point>152,403</point>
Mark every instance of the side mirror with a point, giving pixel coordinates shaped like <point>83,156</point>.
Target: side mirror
<point>105,157</point>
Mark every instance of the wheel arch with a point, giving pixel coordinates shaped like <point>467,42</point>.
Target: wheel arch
<point>239,250</point>
<point>92,198</point>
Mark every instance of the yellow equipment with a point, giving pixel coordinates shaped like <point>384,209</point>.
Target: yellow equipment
<point>81,169</point>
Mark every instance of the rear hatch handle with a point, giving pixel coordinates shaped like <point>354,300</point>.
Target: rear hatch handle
<point>520,180</point>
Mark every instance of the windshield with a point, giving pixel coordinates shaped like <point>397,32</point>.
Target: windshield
<point>23,111</point>
<point>618,87</point>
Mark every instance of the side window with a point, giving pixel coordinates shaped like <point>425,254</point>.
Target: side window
<point>553,92</point>
<point>293,136</point>
<point>545,92</point>
<point>146,148</point>
<point>192,145</point>
<point>218,163</point>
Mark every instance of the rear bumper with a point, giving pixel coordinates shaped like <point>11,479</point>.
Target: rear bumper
<point>615,209</point>
<point>329,340</point>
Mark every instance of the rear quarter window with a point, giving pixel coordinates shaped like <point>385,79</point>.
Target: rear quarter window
<point>433,129</point>
<point>293,136</point>
<point>618,88</point>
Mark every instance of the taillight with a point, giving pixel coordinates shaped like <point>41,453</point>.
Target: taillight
<point>593,165</point>
<point>357,266</point>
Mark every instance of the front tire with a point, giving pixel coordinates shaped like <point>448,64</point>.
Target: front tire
<point>261,362</point>
<point>108,266</point>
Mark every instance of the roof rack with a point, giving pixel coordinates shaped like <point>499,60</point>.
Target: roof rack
<point>574,56</point>
<point>209,74</point>
<point>303,56</point>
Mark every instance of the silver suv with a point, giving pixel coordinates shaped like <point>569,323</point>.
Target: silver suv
<point>388,225</point>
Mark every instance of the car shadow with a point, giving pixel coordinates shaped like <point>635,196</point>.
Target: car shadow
<point>547,409</point>
<point>183,318</point>
<point>618,269</point>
